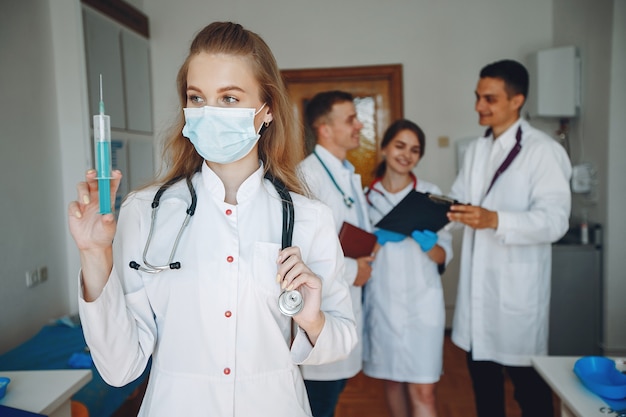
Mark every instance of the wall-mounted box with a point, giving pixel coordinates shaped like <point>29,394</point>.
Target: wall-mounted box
<point>555,79</point>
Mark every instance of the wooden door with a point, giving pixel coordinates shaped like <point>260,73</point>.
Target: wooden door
<point>378,100</point>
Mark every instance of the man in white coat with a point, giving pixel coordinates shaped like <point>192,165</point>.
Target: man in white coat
<point>515,180</point>
<point>332,118</point>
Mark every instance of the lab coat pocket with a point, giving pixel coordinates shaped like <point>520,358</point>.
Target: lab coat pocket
<point>265,268</point>
<point>519,288</point>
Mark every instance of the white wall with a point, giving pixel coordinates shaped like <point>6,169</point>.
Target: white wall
<point>32,213</point>
<point>615,311</point>
<point>598,137</point>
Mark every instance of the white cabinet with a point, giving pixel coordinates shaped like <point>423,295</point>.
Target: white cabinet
<point>123,59</point>
<point>136,66</point>
<point>554,89</point>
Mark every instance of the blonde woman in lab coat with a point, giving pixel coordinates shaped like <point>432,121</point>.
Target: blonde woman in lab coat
<point>404,306</point>
<point>218,341</point>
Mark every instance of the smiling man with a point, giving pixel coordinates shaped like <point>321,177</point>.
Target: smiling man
<point>515,180</point>
<point>332,118</point>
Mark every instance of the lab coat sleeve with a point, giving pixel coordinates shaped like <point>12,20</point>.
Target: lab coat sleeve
<point>338,336</point>
<point>547,216</point>
<point>350,270</point>
<point>444,237</point>
<point>458,190</point>
<point>118,326</point>
<point>311,174</point>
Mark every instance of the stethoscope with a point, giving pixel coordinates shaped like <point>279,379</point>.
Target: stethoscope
<point>154,269</point>
<point>288,222</point>
<point>289,302</point>
<point>372,187</point>
<point>347,200</point>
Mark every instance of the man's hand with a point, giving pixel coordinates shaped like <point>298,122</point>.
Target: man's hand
<point>364,271</point>
<point>475,217</point>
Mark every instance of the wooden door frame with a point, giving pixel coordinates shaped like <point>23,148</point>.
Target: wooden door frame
<point>391,73</point>
<point>356,80</point>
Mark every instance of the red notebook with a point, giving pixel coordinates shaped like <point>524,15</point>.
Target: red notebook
<point>355,241</point>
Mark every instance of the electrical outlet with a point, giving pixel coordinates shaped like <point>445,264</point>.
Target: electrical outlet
<point>32,278</point>
<point>443,141</point>
<point>43,274</point>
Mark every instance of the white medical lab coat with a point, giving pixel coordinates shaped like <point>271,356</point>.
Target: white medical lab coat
<point>219,345</point>
<point>503,298</point>
<point>321,186</point>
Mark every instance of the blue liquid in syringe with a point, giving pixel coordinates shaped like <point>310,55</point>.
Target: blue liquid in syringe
<point>103,165</point>
<point>102,145</point>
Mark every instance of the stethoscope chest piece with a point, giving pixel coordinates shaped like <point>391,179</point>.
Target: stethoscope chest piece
<point>290,303</point>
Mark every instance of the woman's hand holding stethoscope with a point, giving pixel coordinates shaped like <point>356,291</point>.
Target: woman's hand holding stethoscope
<point>93,233</point>
<point>294,274</point>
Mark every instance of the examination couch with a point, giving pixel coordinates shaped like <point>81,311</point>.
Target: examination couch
<point>61,345</point>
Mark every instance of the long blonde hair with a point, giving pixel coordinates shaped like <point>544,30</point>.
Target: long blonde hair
<point>281,146</point>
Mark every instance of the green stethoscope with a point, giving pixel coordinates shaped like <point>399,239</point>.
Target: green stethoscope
<point>347,200</point>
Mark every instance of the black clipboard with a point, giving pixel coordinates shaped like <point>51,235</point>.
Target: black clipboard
<point>418,211</point>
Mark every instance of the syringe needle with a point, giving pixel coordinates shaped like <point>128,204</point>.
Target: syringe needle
<point>101,99</point>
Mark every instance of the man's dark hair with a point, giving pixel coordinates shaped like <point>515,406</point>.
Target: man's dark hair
<point>514,75</point>
<point>322,104</point>
<point>317,109</point>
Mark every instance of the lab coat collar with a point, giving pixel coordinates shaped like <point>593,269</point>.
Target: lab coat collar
<point>246,191</point>
<point>333,163</point>
<point>507,139</point>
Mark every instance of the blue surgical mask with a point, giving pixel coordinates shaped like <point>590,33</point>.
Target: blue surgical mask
<point>221,135</point>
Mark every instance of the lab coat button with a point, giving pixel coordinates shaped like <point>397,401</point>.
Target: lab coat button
<point>229,259</point>
<point>229,212</point>
<point>226,371</point>
<point>228,314</point>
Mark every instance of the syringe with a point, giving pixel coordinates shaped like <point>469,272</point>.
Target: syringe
<point>102,147</point>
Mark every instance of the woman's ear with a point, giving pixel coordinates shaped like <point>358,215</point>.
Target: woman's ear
<point>267,119</point>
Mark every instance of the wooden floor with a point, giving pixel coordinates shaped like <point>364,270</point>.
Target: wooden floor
<point>364,396</point>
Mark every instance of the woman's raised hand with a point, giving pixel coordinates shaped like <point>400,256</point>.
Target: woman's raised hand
<point>89,228</point>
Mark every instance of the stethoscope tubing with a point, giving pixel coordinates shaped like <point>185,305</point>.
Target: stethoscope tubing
<point>287,235</point>
<point>289,302</point>
<point>372,187</point>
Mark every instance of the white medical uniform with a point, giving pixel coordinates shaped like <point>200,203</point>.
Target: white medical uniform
<point>404,307</point>
<point>321,186</point>
<point>219,345</point>
<point>503,299</point>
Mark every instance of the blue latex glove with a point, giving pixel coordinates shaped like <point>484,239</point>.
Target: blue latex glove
<point>383,236</point>
<point>426,239</point>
